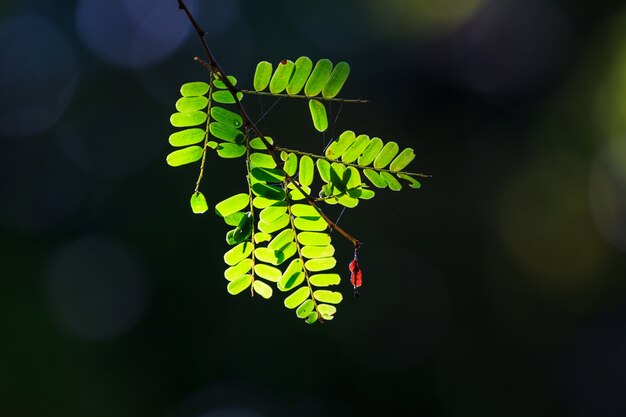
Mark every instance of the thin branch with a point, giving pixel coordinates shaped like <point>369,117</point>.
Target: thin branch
<point>214,67</point>
<point>206,140</point>
<point>301,97</point>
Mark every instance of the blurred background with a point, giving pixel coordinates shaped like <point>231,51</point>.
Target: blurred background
<point>495,290</point>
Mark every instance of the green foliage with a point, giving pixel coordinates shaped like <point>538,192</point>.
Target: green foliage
<point>278,235</point>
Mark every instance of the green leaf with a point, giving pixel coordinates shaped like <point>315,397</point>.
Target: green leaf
<point>356,149</point>
<point>225,132</point>
<point>306,172</point>
<point>295,194</point>
<point>336,149</point>
<point>267,272</point>
<point>187,137</point>
<point>225,97</point>
<point>281,76</point>
<point>300,210</point>
<point>230,150</point>
<point>238,270</point>
<point>282,240</point>
<point>187,119</point>
<point>352,178</point>
<point>198,203</point>
<point>311,251</point>
<point>291,164</point>
<point>298,297</point>
<point>197,88</point>
<point>402,160</point>
<point>227,117</point>
<point>188,104</point>
<point>336,80</point>
<point>318,114</point>
<point>413,183</point>
<point>326,311</point>
<point>273,212</point>
<point>303,68</point>
<point>318,78</point>
<point>389,151</point>
<point>310,224</point>
<point>271,192</point>
<point>261,160</point>
<point>366,194</point>
<point>314,238</point>
<point>348,201</point>
<point>312,318</point>
<point>323,167</point>
<point>370,153</point>
<point>320,264</point>
<point>262,75</point>
<point>220,84</point>
<point>244,229</point>
<point>257,143</point>
<point>337,176</point>
<point>262,289</point>
<point>274,226</point>
<point>375,178</point>
<point>325,280</point>
<point>391,181</point>
<point>292,277</point>
<point>261,237</point>
<point>240,284</point>
<point>232,204</point>
<point>268,174</point>
<point>305,309</point>
<point>326,296</point>
<point>275,257</point>
<point>184,156</point>
<point>261,203</point>
<point>238,253</point>
<point>234,219</point>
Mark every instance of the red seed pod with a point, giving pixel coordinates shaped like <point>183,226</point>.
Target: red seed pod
<point>356,275</point>
<point>284,62</point>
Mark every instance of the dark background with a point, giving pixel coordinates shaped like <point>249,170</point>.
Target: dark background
<point>495,290</point>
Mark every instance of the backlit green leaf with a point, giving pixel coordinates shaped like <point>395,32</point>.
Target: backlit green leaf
<point>187,104</point>
<point>295,194</point>
<point>187,119</point>
<point>375,178</point>
<point>232,204</point>
<point>238,270</point>
<point>271,213</point>
<point>196,88</point>
<point>348,201</point>
<point>261,160</point>
<point>275,225</point>
<point>337,176</point>
<point>220,84</point>
<point>326,296</point>
<point>326,311</point>
<point>325,280</point>
<point>300,210</point>
<point>271,192</point>
<point>314,238</point>
<point>268,272</point>
<point>291,164</point>
<point>336,149</point>
<point>225,132</point>
<point>356,149</point>
<point>310,251</point>
<point>336,80</point>
<point>268,174</point>
<point>262,75</point>
<point>303,68</point>
<point>318,114</point>
<point>370,153</point>
<point>292,277</point>
<point>305,309</point>
<point>261,237</point>
<point>262,289</point>
<point>238,253</point>
<point>275,257</point>
<point>298,297</point>
<point>198,203</point>
<point>402,160</point>
<point>239,285</point>
<point>234,219</point>
<point>386,155</point>
<point>257,143</point>
<point>187,137</point>
<point>281,76</point>
<point>184,156</point>
<point>306,171</point>
<point>310,224</point>
<point>227,117</point>
<point>312,318</point>
<point>318,77</point>
<point>320,264</point>
<point>282,240</point>
<point>413,183</point>
<point>225,97</point>
<point>352,178</point>
<point>323,167</point>
<point>367,194</point>
<point>230,150</point>
<point>391,181</point>
<point>261,203</point>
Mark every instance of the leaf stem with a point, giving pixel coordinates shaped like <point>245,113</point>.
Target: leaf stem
<point>302,97</point>
<point>206,138</point>
<point>252,242</point>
